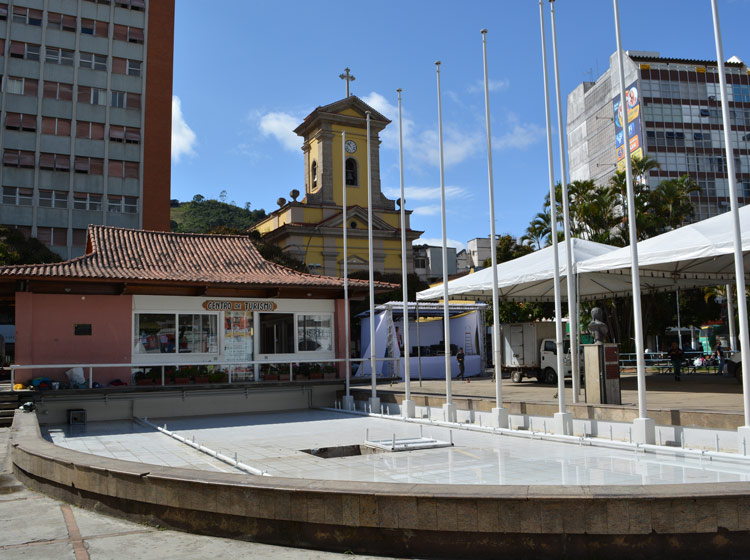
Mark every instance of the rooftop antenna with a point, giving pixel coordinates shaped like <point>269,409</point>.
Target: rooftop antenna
<point>348,77</point>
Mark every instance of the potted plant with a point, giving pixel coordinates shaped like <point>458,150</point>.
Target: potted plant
<point>316,371</point>
<point>329,371</point>
<point>218,376</point>
<point>201,375</point>
<point>140,378</point>
<point>183,374</point>
<point>269,373</point>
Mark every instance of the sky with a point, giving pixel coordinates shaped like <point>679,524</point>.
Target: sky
<point>245,80</point>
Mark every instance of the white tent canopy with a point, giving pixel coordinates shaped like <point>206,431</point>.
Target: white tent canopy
<point>527,278</point>
<point>697,254</point>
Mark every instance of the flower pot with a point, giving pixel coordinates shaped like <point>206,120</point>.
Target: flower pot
<point>202,379</point>
<point>318,375</point>
<point>182,380</point>
<point>144,381</point>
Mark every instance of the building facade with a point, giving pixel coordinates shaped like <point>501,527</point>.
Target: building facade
<point>311,229</point>
<point>428,262</point>
<point>86,117</point>
<point>674,108</point>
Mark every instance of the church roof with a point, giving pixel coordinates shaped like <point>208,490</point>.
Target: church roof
<point>332,111</point>
<point>120,254</point>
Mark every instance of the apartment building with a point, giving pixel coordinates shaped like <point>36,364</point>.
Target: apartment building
<point>86,117</point>
<point>674,115</point>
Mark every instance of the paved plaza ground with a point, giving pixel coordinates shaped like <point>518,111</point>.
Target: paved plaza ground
<point>702,392</point>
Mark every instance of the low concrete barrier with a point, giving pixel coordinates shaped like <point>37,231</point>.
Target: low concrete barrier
<point>425,520</point>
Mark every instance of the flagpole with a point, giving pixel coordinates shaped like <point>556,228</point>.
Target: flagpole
<point>499,414</point>
<point>739,267</point>
<point>449,408</point>
<point>374,400</point>
<point>348,401</point>
<point>407,407</point>
<point>645,428</point>
<point>562,428</point>
<point>569,274</point>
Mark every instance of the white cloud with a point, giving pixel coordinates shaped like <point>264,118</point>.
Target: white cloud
<point>519,135</point>
<point>424,193</point>
<point>436,241</point>
<point>430,210</point>
<point>422,147</point>
<point>281,126</point>
<point>183,137</point>
<point>494,85</point>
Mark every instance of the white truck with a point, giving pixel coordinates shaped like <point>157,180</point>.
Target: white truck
<point>529,350</point>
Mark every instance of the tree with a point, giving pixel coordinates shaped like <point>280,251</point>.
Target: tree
<point>203,215</point>
<point>508,249</point>
<point>671,201</point>
<point>16,249</point>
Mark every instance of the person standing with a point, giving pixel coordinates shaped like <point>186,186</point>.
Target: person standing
<point>719,351</point>
<point>460,360</point>
<point>676,355</point>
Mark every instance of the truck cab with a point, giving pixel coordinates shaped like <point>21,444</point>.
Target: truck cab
<point>548,361</point>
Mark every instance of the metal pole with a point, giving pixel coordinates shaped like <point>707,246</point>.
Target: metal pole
<point>419,345</point>
<point>493,244</point>
<point>730,318</point>
<point>635,277</point>
<point>739,268</point>
<point>371,258</point>
<point>407,348</point>
<point>446,309</point>
<point>553,222</point>
<point>679,326</point>
<point>569,275</point>
<point>347,363</point>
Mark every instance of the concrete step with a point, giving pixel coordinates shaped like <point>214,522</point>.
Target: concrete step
<point>9,484</point>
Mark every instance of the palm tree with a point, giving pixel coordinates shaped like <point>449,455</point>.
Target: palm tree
<point>672,202</point>
<point>538,232</point>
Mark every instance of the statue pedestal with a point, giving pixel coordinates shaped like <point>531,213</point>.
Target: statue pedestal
<point>602,367</point>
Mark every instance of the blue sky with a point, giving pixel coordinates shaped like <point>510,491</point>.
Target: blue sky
<point>247,72</point>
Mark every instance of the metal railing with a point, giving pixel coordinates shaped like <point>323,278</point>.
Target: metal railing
<point>261,368</point>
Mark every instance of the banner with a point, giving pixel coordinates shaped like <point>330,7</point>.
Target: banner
<point>634,125</point>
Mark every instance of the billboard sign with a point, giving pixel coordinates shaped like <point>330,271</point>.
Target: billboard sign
<point>634,125</point>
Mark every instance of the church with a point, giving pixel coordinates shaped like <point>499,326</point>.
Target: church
<point>311,229</point>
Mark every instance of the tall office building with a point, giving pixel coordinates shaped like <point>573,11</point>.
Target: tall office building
<point>86,116</point>
<point>674,116</point>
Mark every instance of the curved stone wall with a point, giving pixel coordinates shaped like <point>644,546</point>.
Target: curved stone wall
<point>424,520</point>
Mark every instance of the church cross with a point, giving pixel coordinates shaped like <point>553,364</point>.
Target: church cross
<point>348,77</point>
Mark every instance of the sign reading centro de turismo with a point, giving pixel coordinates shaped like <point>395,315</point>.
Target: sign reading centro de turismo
<point>634,125</point>
<point>218,305</point>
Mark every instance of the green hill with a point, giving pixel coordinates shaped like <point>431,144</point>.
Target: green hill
<point>202,215</point>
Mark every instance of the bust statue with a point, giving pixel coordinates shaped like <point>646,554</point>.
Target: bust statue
<point>597,326</point>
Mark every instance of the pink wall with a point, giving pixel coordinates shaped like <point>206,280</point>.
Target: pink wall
<point>45,334</point>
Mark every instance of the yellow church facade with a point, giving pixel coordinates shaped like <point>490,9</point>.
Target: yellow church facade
<point>311,229</point>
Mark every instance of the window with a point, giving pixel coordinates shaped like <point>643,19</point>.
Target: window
<point>137,5</point>
<point>56,162</point>
<point>134,67</point>
<point>59,91</point>
<point>118,99</point>
<point>60,21</point>
<point>28,16</point>
<point>92,166</point>
<point>18,158</point>
<point>24,50</point>
<point>276,333</point>
<point>130,205</point>
<point>351,172</point>
<point>95,28</point>
<point>314,174</point>
<point>16,121</point>
<point>55,127</point>
<point>53,199</point>
<point>114,203</point>
<point>79,237</point>
<point>91,130</point>
<point>314,333</point>
<point>91,95</point>
<point>133,101</point>
<point>87,201</point>
<point>59,56</point>
<point>126,66</point>
<point>170,333</point>
<point>17,196</point>
<point>21,86</point>
<point>129,135</point>
<point>93,61</point>
<point>3,12</point>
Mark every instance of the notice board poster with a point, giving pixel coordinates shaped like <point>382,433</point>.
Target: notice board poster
<point>238,338</point>
<point>634,125</point>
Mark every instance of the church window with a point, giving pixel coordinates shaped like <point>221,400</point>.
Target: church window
<point>314,174</point>
<point>351,172</point>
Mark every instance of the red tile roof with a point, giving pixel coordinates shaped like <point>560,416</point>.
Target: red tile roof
<point>120,254</point>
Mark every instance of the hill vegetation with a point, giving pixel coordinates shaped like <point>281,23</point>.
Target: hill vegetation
<point>205,215</point>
